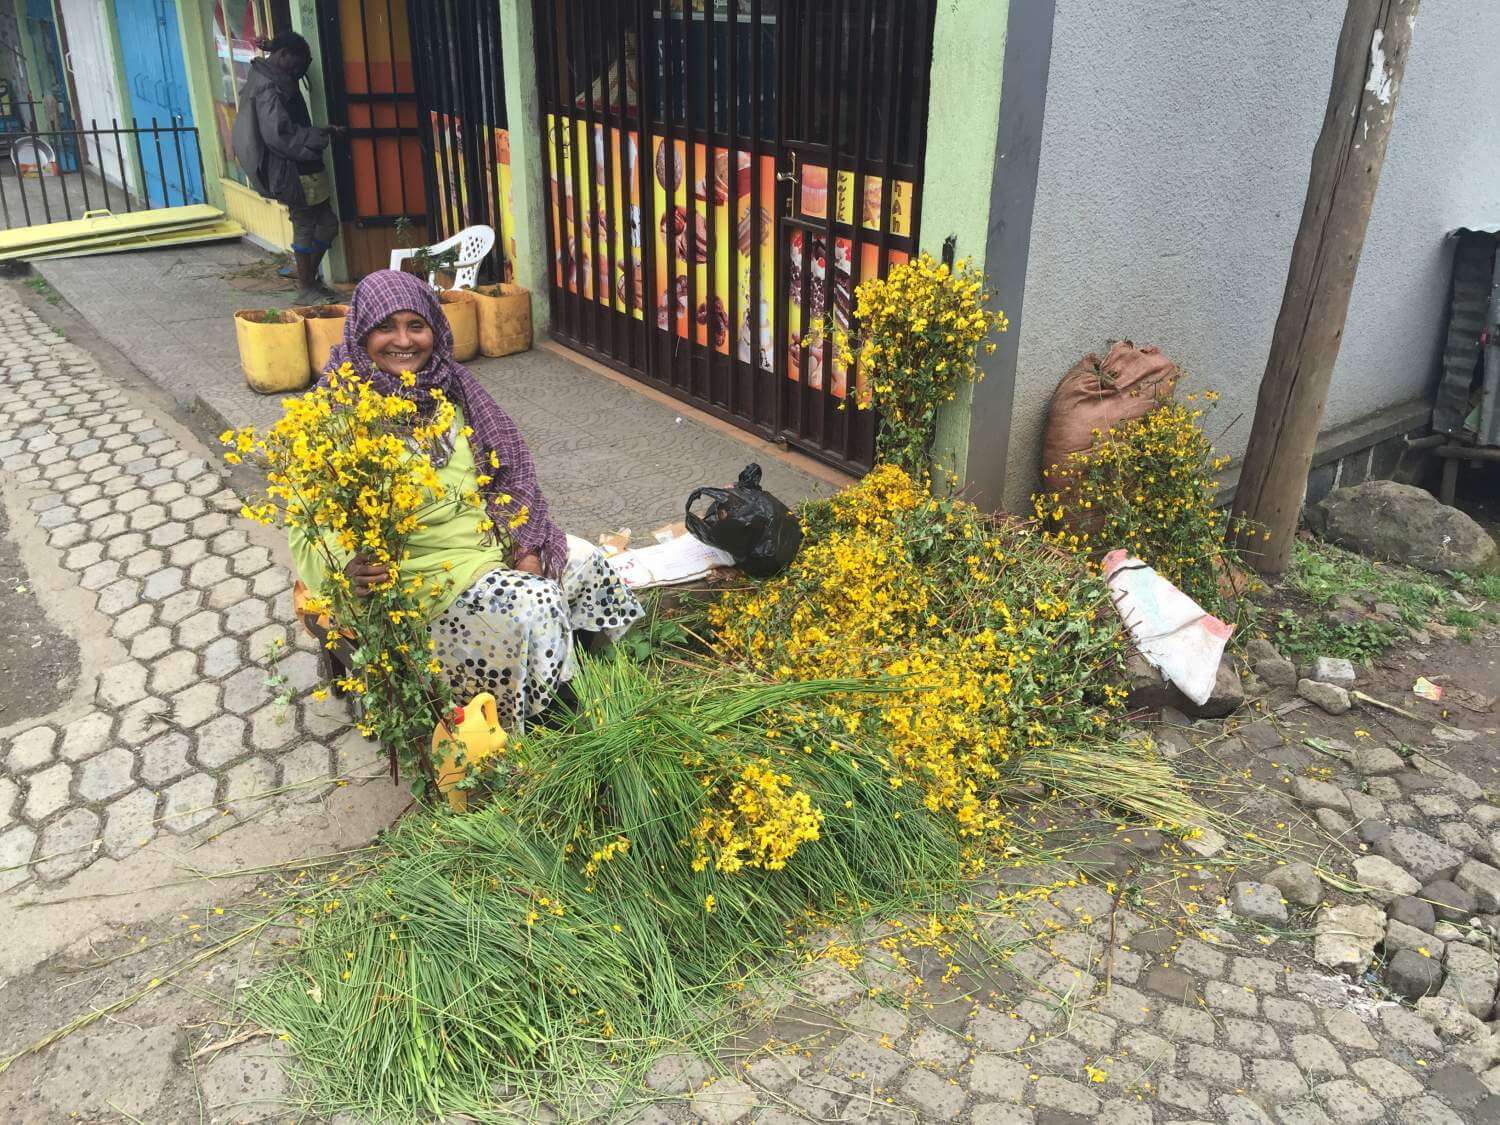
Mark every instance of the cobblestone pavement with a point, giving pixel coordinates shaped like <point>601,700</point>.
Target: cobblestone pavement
<point>1145,982</point>
<point>185,729</point>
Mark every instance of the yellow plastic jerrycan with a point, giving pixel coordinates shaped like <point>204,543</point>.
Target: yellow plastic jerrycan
<point>476,734</point>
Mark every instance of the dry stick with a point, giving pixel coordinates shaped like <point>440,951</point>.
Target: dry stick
<point>232,1041</point>
<point>1391,707</point>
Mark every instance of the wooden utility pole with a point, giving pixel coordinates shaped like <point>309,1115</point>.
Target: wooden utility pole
<point>1340,191</point>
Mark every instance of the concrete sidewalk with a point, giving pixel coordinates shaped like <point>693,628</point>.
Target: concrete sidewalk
<point>609,455</point>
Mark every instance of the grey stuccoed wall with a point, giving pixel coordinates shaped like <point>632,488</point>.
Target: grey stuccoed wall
<point>1175,151</point>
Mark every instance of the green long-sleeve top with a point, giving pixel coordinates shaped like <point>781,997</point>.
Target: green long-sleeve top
<point>451,550</point>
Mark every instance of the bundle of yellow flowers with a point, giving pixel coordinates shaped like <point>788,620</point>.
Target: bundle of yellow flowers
<point>760,822</point>
<point>995,640</point>
<point>920,328</point>
<point>349,470</point>
<point>1148,485</point>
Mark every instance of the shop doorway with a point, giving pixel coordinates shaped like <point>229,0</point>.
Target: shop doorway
<point>722,174</point>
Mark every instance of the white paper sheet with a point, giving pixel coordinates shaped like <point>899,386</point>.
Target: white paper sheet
<point>684,559</point>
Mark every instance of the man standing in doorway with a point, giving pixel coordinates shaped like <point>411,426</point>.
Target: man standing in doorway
<point>281,152</point>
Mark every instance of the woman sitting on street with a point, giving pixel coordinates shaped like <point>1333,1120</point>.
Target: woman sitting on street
<point>507,624</point>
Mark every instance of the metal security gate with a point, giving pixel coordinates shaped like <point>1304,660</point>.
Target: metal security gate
<point>461,96</point>
<point>722,175</point>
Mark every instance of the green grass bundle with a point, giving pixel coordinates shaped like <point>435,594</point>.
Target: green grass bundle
<point>609,904</point>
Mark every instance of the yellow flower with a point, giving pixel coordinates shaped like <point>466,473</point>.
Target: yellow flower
<point>709,904</point>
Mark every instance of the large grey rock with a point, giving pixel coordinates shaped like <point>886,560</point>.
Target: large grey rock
<point>1298,883</point>
<point>1472,978</point>
<point>1450,902</point>
<point>1425,857</point>
<point>1412,976</point>
<point>1398,522</point>
<point>1319,794</point>
<point>1149,691</point>
<point>1383,880</point>
<point>1483,882</point>
<point>1259,902</point>
<point>1346,937</point>
<point>1330,697</point>
<point>1332,670</point>
<point>1377,761</point>
<point>1414,912</point>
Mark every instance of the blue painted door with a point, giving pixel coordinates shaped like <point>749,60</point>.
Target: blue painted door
<point>151,50</point>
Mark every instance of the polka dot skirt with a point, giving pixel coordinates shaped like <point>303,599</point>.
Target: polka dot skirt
<point>511,633</point>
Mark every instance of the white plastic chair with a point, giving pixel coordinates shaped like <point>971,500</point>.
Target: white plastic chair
<point>473,244</point>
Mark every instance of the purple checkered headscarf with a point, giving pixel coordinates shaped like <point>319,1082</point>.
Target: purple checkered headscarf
<point>387,292</point>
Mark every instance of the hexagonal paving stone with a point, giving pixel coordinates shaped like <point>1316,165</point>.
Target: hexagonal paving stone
<point>267,644</point>
<point>100,574</point>
<point>208,573</point>
<point>83,556</point>
<point>86,736</point>
<point>107,527</point>
<point>94,509</point>
<point>130,823</point>
<point>152,643</point>
<point>180,606</point>
<point>145,518</point>
<point>119,596</point>
<point>273,726</point>
<point>164,758</point>
<point>228,542</point>
<point>270,582</point>
<point>69,844</point>
<point>17,844</point>
<point>167,493</point>
<point>246,616</point>
<point>10,795</point>
<point>220,742</point>
<point>121,685</point>
<point>67,535</point>
<point>129,501</point>
<point>162,584</point>
<point>300,670</point>
<point>252,560</point>
<point>210,525</point>
<point>174,671</point>
<point>186,553</point>
<point>222,657</point>
<point>126,546</point>
<point>195,705</point>
<point>168,534</point>
<point>246,690</point>
<point>305,764</point>
<point>189,803</point>
<point>130,623</point>
<point>146,561</point>
<point>186,508</point>
<point>142,721</point>
<point>106,775</point>
<point>47,791</point>
<point>245,784</point>
<point>30,749</point>
<point>229,593</point>
<point>198,630</point>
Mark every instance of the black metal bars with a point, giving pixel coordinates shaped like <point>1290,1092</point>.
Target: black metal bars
<point>35,189</point>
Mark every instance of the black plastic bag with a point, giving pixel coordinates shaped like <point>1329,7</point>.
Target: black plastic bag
<point>749,523</point>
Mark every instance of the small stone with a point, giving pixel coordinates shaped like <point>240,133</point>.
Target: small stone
<point>1317,1056</point>
<point>1276,673</point>
<point>1298,883</point>
<point>1484,817</point>
<point>724,1103</point>
<point>1332,670</point>
<point>998,1031</point>
<point>1348,1029</point>
<point>1427,1110</point>
<point>1409,1028</point>
<point>1215,1066</point>
<point>1450,902</point>
<point>1383,880</point>
<point>1377,761</point>
<point>1259,902</point>
<point>1183,1093</point>
<point>1346,937</point>
<point>1472,978</point>
<point>1319,794</point>
<point>1259,648</point>
<point>1426,858</point>
<point>1383,788</point>
<point>1335,824</point>
<point>1447,932</point>
<point>1332,699</point>
<point>1292,1013</point>
<point>861,1058</point>
<point>1197,957</point>
<point>996,1077</point>
<point>1066,1096</point>
<point>1399,936</point>
<point>1450,1017</point>
<point>677,1074</point>
<point>1386,1080</point>
<point>69,844</point>
<point>1349,1103</point>
<point>938,1049</point>
<point>937,1100</point>
<point>1483,882</point>
<point>1278,1078</point>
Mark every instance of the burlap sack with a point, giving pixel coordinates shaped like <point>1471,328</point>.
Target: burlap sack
<point>1130,382</point>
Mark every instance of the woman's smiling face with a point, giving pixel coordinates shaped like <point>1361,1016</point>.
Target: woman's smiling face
<point>401,342</point>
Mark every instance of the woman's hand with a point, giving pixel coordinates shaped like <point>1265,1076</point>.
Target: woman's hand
<point>531,563</point>
<point>365,575</point>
